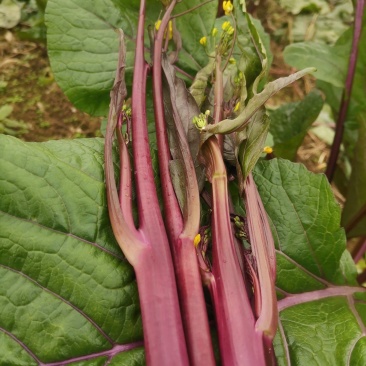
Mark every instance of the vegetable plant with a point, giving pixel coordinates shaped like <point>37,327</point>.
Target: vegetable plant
<point>179,183</point>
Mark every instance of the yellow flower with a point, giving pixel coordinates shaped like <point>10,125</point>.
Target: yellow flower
<point>157,24</point>
<point>170,33</point>
<point>228,7</point>
<point>203,41</point>
<point>237,106</point>
<point>170,30</point>
<point>230,31</point>
<point>197,240</point>
<point>267,150</point>
<point>214,32</point>
<point>225,26</point>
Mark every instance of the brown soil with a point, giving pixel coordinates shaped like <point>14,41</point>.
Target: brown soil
<point>29,87</point>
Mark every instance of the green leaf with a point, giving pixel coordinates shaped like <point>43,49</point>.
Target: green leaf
<point>330,61</point>
<point>66,290</point>
<point>10,14</point>
<point>322,312</point>
<point>83,47</point>
<point>192,27</point>
<point>290,122</point>
<point>306,218</point>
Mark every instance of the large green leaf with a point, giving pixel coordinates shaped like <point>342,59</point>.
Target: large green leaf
<point>322,312</point>
<point>192,27</point>
<point>66,290</point>
<point>83,46</point>
<point>290,122</point>
<point>330,61</point>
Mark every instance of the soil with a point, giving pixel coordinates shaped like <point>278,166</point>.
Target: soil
<point>27,84</point>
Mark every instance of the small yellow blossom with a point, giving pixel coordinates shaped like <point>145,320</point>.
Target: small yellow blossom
<point>203,41</point>
<point>214,32</point>
<point>228,7</point>
<point>230,31</point>
<point>237,106</point>
<point>225,26</point>
<point>157,24</point>
<point>170,26</point>
<point>267,150</point>
<point>207,113</point>
<point>197,240</point>
<point>170,33</point>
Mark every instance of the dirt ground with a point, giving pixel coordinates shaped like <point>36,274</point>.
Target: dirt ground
<point>28,86</point>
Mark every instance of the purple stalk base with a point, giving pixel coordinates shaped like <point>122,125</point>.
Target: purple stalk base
<point>332,162</point>
<point>181,233</point>
<point>147,248</point>
<point>360,250</point>
<point>163,329</point>
<point>259,239</point>
<point>356,219</point>
<point>240,343</point>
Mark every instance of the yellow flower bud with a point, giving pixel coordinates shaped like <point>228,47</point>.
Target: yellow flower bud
<point>157,24</point>
<point>225,26</point>
<point>228,7</point>
<point>214,32</point>
<point>197,240</point>
<point>230,31</point>
<point>267,150</point>
<point>237,106</point>
<point>232,60</point>
<point>170,32</point>
<point>203,41</point>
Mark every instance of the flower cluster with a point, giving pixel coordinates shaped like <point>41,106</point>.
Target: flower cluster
<point>228,7</point>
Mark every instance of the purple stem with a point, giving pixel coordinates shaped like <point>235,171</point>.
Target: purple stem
<point>293,300</point>
<point>182,232</point>
<point>125,183</point>
<point>356,219</point>
<point>118,348</point>
<point>332,162</point>
<point>147,249</point>
<point>360,251</point>
<point>173,217</point>
<point>240,343</point>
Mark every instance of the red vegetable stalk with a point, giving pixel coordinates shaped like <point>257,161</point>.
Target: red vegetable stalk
<point>181,231</point>
<point>147,248</point>
<point>239,343</point>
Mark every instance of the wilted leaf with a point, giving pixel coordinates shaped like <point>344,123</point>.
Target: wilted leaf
<point>252,147</point>
<point>290,122</point>
<point>256,102</point>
